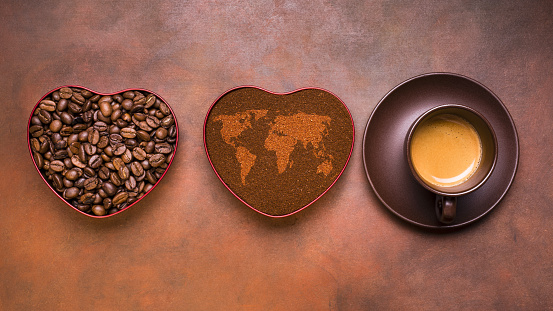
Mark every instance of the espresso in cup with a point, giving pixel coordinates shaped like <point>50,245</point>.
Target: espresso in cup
<point>445,150</point>
<point>451,150</point>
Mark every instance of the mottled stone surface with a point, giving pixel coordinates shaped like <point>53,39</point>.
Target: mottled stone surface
<point>191,245</point>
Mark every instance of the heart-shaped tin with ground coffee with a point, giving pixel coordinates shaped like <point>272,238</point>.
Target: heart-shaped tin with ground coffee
<point>278,152</point>
<point>102,153</point>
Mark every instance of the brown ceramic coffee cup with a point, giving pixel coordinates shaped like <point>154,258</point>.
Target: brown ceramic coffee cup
<point>451,150</point>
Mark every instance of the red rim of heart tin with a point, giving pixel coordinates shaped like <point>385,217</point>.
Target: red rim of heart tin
<point>278,93</point>
<point>101,94</point>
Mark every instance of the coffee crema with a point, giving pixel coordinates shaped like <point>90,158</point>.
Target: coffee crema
<point>445,150</point>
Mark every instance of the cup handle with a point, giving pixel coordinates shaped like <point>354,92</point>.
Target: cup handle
<point>446,208</point>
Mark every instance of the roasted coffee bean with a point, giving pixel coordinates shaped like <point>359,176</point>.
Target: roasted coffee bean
<point>36,130</point>
<point>127,156</point>
<point>153,122</point>
<point>139,116</point>
<point>161,133</point>
<point>39,159</point>
<point>172,132</point>
<point>74,173</point>
<point>86,93</point>
<point>127,104</point>
<point>88,116</point>
<point>56,126</point>
<point>91,183</point>
<point>94,136</point>
<point>95,98</point>
<point>105,107</point>
<point>60,144</point>
<point>143,125</point>
<point>82,154</point>
<point>130,183</point>
<point>79,127</point>
<point>78,98</point>
<point>131,143</point>
<point>139,99</point>
<point>115,179</point>
<point>79,183</point>
<point>98,210</point>
<point>119,149</point>
<point>150,101</point>
<point>139,153</point>
<point>114,129</point>
<point>118,98</point>
<point>107,203</point>
<point>87,105</point>
<point>66,118</point>
<point>48,105</point>
<point>128,94</point>
<point>57,166</point>
<point>68,164</point>
<point>118,163</point>
<point>62,104</point>
<point>100,126</point>
<point>87,198</point>
<point>164,109</point>
<point>77,161</point>
<point>65,92</point>
<point>146,165</point>
<point>103,173</point>
<point>105,157</point>
<point>66,131</point>
<point>45,117</point>
<point>95,161</point>
<point>74,108</point>
<point>57,181</point>
<point>116,115</point>
<point>143,135</point>
<point>35,144</point>
<point>150,147</point>
<point>56,96</point>
<point>74,147</point>
<point>167,121</point>
<point>156,160</point>
<point>97,198</point>
<point>120,198</point>
<point>35,120</point>
<point>71,193</point>
<point>150,177</point>
<point>128,132</point>
<point>123,173</point>
<point>61,154</point>
<point>163,148</point>
<point>115,138</point>
<point>67,183</point>
<point>137,168</point>
<point>89,172</point>
<point>82,207</point>
<point>89,148</point>
<point>103,142</point>
<point>109,188</point>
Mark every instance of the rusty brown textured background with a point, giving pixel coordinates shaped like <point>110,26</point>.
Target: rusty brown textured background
<point>190,245</point>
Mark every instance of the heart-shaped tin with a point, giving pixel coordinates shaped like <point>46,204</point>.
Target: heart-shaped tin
<point>101,153</point>
<point>278,152</point>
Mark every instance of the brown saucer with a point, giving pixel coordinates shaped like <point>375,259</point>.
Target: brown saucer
<point>384,155</point>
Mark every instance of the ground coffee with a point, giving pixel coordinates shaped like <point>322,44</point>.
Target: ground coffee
<point>278,152</point>
<point>102,153</point>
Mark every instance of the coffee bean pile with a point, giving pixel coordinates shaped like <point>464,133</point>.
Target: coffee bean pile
<point>102,152</point>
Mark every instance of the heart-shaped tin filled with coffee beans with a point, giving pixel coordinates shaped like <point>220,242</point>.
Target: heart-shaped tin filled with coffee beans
<point>101,153</point>
<point>278,152</point>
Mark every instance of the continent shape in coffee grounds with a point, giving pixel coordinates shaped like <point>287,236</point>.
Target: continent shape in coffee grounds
<point>278,153</point>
